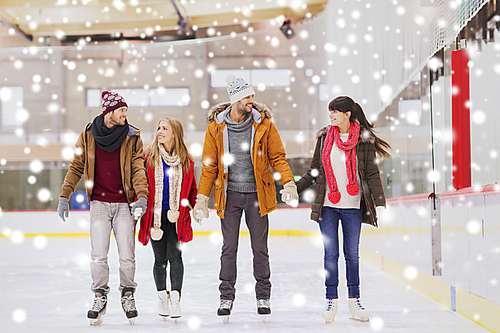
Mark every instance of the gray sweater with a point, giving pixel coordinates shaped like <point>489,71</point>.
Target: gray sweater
<point>240,176</point>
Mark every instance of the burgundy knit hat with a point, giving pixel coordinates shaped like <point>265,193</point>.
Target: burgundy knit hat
<point>111,101</point>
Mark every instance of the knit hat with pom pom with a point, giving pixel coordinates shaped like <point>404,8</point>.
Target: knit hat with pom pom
<point>111,101</point>
<point>238,88</point>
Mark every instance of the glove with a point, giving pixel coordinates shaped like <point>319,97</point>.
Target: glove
<point>289,194</point>
<point>200,210</point>
<point>380,211</point>
<point>139,208</point>
<point>63,208</point>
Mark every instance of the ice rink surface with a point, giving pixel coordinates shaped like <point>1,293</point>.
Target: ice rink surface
<point>44,287</point>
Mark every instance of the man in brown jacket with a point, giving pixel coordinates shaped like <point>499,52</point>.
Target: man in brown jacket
<point>109,155</point>
<point>241,145</point>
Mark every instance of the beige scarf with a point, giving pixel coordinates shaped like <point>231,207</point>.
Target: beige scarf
<point>175,184</point>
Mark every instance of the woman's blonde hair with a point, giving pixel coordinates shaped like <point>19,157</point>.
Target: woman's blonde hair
<point>179,147</point>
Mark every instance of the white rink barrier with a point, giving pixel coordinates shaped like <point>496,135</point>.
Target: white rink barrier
<point>292,221</point>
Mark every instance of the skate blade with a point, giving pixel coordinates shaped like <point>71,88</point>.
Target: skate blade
<point>360,319</point>
<point>95,322</point>
<point>225,319</point>
<point>131,321</point>
<point>329,321</point>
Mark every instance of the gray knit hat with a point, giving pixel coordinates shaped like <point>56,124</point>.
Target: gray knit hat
<point>238,88</point>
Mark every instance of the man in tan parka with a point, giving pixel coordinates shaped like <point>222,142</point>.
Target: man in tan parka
<point>109,155</point>
<point>241,145</point>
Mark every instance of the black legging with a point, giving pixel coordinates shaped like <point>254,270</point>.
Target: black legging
<point>167,250</point>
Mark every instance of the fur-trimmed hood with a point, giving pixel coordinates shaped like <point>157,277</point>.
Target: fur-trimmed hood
<point>365,135</point>
<point>260,107</point>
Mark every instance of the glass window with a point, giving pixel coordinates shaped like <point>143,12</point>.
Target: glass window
<point>219,77</point>
<point>271,77</point>
<point>324,94</point>
<point>134,97</point>
<point>93,98</point>
<point>12,103</point>
<point>169,97</point>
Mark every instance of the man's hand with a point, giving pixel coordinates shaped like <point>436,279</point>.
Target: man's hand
<point>139,208</point>
<point>63,208</point>
<point>289,194</point>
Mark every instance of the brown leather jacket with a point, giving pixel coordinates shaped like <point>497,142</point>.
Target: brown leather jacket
<point>132,168</point>
<point>368,173</point>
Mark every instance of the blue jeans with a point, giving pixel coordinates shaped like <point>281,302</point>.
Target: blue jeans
<point>351,229</point>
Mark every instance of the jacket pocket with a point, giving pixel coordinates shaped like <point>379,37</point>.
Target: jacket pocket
<point>269,199</point>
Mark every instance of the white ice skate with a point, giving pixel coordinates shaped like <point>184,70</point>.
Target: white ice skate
<point>263,308</point>
<point>332,306</point>
<point>224,310</point>
<point>163,308</point>
<point>98,309</point>
<point>357,310</point>
<point>175,302</point>
<point>128,306</point>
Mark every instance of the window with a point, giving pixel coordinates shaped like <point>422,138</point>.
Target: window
<point>255,77</point>
<point>169,97</point>
<point>145,98</point>
<point>12,106</point>
<point>94,98</point>
<point>271,77</point>
<point>324,94</point>
<point>134,97</point>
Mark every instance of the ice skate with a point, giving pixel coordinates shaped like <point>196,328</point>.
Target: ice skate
<point>128,305</point>
<point>358,310</point>
<point>163,307</point>
<point>224,310</point>
<point>263,308</point>
<point>98,309</point>
<point>175,302</point>
<point>332,306</point>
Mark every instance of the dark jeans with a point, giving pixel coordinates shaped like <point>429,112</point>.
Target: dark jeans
<point>351,229</point>
<point>167,250</point>
<point>258,227</point>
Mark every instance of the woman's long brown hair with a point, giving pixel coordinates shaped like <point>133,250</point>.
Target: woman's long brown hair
<point>346,104</point>
<point>179,147</point>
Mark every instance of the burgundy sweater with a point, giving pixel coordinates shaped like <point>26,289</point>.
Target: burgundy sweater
<point>108,185</point>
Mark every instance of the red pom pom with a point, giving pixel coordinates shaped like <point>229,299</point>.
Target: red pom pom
<point>334,197</point>
<point>352,189</point>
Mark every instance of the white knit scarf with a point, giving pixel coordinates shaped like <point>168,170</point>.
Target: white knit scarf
<point>174,183</point>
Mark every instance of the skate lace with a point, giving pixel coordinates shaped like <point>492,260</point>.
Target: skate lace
<point>330,305</point>
<point>358,304</point>
<point>99,302</point>
<point>128,303</point>
<point>225,304</point>
<point>263,303</point>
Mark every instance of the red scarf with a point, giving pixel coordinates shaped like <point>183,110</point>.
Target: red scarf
<point>349,147</point>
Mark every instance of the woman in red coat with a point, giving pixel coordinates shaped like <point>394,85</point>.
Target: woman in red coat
<point>172,193</point>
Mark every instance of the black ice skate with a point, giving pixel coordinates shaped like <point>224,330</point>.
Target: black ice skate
<point>263,308</point>
<point>224,310</point>
<point>128,305</point>
<point>98,308</point>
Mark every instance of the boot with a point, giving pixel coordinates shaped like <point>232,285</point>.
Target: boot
<point>175,302</point>
<point>332,306</point>
<point>357,309</point>
<point>98,308</point>
<point>163,308</point>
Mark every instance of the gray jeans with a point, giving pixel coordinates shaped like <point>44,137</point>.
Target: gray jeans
<point>258,227</point>
<point>104,217</point>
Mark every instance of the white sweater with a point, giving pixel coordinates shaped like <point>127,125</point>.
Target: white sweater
<point>337,158</point>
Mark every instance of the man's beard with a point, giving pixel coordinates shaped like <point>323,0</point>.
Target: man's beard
<point>242,110</point>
